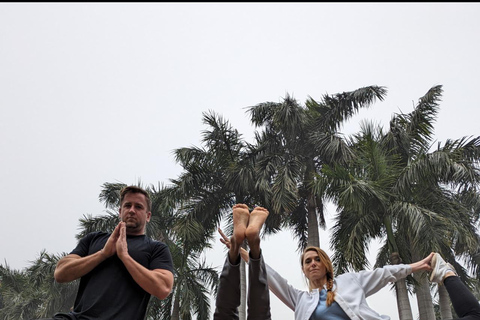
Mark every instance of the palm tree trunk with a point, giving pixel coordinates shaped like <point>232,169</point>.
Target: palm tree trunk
<point>424,298</point>
<point>403,303</point>
<point>313,233</point>
<point>175,310</point>
<point>444,303</point>
<point>242,309</point>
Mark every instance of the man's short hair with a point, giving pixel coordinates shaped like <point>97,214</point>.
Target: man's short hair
<point>135,189</point>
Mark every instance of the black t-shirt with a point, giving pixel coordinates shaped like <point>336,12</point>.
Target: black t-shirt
<point>109,292</point>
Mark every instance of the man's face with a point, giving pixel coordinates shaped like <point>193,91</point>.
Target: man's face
<point>133,211</point>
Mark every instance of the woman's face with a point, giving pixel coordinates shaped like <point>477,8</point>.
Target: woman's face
<point>313,268</point>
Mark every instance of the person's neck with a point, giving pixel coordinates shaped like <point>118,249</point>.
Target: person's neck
<point>135,233</point>
<point>318,284</point>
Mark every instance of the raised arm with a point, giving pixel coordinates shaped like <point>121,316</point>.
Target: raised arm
<point>226,241</point>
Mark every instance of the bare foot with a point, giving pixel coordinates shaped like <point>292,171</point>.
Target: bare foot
<point>257,219</point>
<point>241,217</point>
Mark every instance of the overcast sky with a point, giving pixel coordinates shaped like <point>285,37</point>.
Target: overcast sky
<point>104,92</point>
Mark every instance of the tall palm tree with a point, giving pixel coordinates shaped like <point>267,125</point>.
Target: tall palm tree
<point>214,178</point>
<point>193,278</point>
<point>397,190</point>
<point>294,144</point>
<point>216,175</point>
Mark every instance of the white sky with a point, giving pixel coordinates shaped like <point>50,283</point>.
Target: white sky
<point>104,92</point>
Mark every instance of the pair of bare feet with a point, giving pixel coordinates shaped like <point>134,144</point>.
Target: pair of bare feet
<point>246,225</point>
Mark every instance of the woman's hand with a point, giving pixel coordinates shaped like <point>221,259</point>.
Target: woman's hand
<point>226,241</point>
<point>423,265</point>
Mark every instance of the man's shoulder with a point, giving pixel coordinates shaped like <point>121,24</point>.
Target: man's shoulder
<point>96,235</point>
<point>155,242</point>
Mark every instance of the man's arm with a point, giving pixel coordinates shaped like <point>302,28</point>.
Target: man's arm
<point>73,266</point>
<point>158,282</point>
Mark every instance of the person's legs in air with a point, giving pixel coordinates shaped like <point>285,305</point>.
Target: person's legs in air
<point>464,303</point>
<point>228,295</point>
<point>258,292</point>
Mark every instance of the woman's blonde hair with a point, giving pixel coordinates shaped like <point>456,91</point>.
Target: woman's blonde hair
<point>325,260</point>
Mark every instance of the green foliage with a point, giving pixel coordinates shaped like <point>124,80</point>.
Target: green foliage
<point>295,143</point>
<point>393,186</point>
<point>32,293</point>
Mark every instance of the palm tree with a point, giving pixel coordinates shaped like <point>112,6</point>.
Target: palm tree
<point>193,279</point>
<point>32,293</point>
<point>295,143</point>
<point>395,189</point>
<point>214,178</point>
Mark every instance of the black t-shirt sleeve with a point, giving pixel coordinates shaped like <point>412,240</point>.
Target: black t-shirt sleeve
<point>161,257</point>
<point>83,247</point>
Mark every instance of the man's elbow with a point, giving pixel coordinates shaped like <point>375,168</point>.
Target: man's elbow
<point>61,276</point>
<point>63,272</point>
<point>164,290</point>
<point>163,293</point>
<point>58,277</point>
<point>165,285</point>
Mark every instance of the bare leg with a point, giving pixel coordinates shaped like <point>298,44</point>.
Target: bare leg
<point>241,216</point>
<point>257,219</point>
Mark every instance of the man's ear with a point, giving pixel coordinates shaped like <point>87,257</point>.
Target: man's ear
<point>120,213</point>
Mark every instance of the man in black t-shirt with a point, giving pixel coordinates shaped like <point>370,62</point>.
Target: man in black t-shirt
<point>119,271</point>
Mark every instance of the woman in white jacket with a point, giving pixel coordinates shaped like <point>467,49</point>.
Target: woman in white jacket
<point>341,297</point>
<point>344,296</point>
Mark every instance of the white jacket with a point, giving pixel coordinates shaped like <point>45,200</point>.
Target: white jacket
<point>352,289</point>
